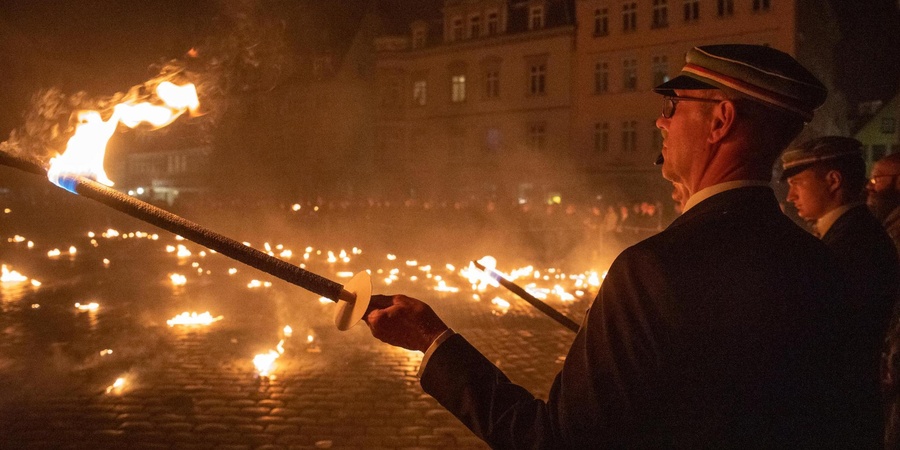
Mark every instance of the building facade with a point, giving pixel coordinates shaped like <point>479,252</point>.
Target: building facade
<point>497,95</point>
<point>627,47</point>
<point>880,135</point>
<point>478,103</point>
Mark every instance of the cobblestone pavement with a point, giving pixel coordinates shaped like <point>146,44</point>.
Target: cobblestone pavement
<point>198,387</point>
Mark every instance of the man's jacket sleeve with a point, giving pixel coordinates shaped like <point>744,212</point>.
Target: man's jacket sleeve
<point>603,390</point>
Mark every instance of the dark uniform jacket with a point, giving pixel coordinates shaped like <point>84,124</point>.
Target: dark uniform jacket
<point>725,330</point>
<point>868,258</point>
<point>892,226</point>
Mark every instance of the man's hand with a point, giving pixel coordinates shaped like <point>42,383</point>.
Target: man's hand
<point>403,321</point>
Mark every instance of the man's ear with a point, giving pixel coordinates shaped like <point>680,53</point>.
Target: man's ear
<point>833,179</point>
<point>723,121</point>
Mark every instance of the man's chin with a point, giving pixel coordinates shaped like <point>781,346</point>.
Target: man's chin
<point>882,204</point>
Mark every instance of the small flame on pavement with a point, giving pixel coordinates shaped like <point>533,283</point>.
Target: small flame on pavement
<point>503,305</point>
<point>253,284</point>
<point>265,362</point>
<point>193,319</point>
<point>117,386</point>
<point>288,331</point>
<point>178,279</point>
<point>11,276</point>
<point>54,253</point>
<point>106,352</point>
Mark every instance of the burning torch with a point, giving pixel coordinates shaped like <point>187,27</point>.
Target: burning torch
<point>534,301</point>
<point>80,171</point>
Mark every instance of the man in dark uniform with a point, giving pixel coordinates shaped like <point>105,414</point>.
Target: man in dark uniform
<point>720,331</point>
<point>884,195</point>
<point>826,183</point>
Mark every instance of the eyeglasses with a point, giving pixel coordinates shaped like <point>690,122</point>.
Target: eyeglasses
<point>874,179</point>
<point>669,103</point>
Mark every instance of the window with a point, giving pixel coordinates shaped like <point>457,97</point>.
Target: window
<point>537,137</point>
<point>537,79</point>
<point>691,10</point>
<point>601,137</point>
<point>601,77</point>
<point>493,24</point>
<point>660,14</point>
<point>601,22</point>
<point>629,16</point>
<point>660,70</point>
<point>761,5</point>
<point>457,32</point>
<point>420,92</point>
<point>888,125</point>
<point>474,26</point>
<point>458,88</point>
<point>418,38</point>
<point>536,18</point>
<point>725,7</point>
<point>629,74</point>
<point>629,136</point>
<point>492,83</point>
<point>493,139</point>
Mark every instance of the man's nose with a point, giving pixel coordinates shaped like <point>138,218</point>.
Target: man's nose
<point>662,123</point>
<point>791,195</point>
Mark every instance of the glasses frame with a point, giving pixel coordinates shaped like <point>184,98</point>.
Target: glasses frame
<point>874,179</point>
<point>670,102</point>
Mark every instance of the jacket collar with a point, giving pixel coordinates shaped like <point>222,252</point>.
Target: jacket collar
<point>739,200</point>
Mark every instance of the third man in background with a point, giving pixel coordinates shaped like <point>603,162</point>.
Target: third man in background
<point>884,195</point>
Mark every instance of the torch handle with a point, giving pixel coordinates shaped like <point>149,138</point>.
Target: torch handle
<point>22,163</point>
<point>543,307</point>
<point>210,239</point>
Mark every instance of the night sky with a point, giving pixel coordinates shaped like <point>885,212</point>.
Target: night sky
<point>104,46</point>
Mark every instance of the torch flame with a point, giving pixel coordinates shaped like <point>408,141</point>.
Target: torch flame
<point>87,147</point>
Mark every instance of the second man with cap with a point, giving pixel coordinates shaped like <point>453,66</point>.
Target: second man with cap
<point>826,180</point>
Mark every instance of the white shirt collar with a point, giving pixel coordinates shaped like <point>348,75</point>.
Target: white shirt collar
<point>708,192</point>
<point>828,219</point>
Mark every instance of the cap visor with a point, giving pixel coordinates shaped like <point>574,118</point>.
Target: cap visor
<point>681,82</point>
<point>787,173</point>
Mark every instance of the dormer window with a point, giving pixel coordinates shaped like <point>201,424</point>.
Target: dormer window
<point>493,23</point>
<point>536,17</point>
<point>457,31</point>
<point>474,26</point>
